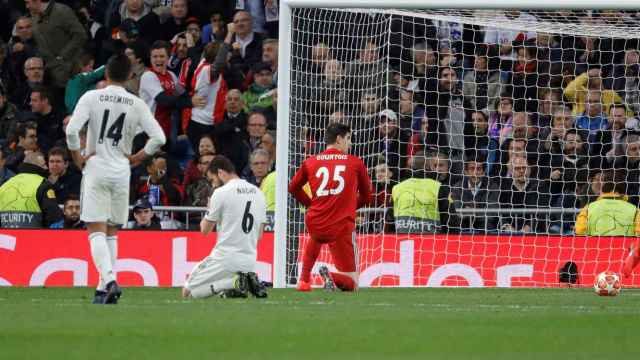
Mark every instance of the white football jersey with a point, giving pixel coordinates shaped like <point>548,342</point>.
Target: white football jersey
<point>113,115</point>
<point>238,208</point>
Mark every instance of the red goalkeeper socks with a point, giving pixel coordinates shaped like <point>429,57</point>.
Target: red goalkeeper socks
<point>343,282</point>
<point>311,252</point>
<point>632,260</point>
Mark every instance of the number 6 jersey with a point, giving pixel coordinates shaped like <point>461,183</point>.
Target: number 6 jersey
<point>239,211</point>
<point>339,185</point>
<point>114,116</point>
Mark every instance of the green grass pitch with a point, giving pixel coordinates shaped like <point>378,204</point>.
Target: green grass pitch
<point>151,323</point>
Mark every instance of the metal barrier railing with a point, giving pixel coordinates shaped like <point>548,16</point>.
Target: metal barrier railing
<point>185,214</point>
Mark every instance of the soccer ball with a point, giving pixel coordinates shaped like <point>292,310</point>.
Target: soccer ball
<point>607,284</point>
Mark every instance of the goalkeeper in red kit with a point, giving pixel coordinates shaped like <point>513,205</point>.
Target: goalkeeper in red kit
<point>339,185</point>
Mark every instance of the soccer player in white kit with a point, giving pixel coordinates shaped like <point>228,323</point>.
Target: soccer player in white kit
<point>238,210</point>
<point>114,117</point>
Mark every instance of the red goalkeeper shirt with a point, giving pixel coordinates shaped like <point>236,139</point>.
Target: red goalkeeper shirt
<point>339,185</point>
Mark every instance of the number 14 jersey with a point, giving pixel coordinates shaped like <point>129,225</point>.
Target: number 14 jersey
<point>114,118</point>
<point>339,185</point>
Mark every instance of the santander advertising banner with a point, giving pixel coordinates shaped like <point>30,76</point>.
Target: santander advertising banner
<point>165,258</point>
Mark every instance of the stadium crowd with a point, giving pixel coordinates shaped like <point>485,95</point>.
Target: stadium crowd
<point>500,118</point>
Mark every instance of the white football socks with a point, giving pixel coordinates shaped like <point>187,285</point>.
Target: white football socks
<point>101,258</point>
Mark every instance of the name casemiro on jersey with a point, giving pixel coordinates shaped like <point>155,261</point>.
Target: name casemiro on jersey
<point>116,99</point>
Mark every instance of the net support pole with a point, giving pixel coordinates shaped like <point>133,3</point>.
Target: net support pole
<point>282,148</point>
<point>465,4</point>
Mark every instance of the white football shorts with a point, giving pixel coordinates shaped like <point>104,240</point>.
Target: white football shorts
<point>104,199</point>
<point>205,273</point>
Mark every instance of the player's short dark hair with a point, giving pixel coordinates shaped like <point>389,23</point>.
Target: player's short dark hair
<point>44,92</point>
<point>161,44</point>
<point>139,48</point>
<point>334,130</point>
<point>71,197</point>
<point>149,160</point>
<point>58,151</point>
<point>118,68</point>
<point>21,130</point>
<point>613,180</point>
<point>221,162</point>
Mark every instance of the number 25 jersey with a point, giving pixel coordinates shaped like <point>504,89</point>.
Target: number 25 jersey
<point>339,185</point>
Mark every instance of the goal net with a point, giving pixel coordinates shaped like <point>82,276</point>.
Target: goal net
<point>485,132</point>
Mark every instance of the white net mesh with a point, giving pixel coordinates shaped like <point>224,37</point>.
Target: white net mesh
<point>520,117</point>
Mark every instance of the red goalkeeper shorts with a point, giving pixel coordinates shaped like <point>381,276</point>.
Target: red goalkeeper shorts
<point>343,249</point>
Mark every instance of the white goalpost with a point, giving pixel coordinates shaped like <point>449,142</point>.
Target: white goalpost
<point>437,88</point>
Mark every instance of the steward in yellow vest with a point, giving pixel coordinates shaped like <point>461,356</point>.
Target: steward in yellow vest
<point>611,214</point>
<point>268,187</point>
<point>27,200</point>
<point>422,204</point>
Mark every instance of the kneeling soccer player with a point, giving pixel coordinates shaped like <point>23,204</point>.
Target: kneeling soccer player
<point>239,211</point>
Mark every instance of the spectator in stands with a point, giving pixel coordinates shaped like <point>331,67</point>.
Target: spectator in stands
<point>421,204</point>
<point>256,128</point>
<point>524,128</point>
<point>83,79</point>
<point>8,112</point>
<point>452,115</point>
<point>590,84</point>
<point>6,75</point>
<point>231,134</point>
<point>259,167</point>
<point>528,76</point>
<point>629,162</point>
<point>521,191</point>
<point>145,218</point>
<point>145,19</point>
<point>21,47</point>
<point>160,89</point>
<point>199,191</point>
<point>159,188</point>
<point>613,137</point>
<point>472,192</point>
<point>137,52</point>
<point>5,173</point>
<point>47,117</point>
<point>247,44</point>
<point>571,166</point>
<point>179,53</point>
<point>626,79</point>
<point>176,23</point>
<point>215,30</point>
<point>34,72</point>
<point>500,129</point>
<point>503,39</point>
<point>368,70</point>
<point>410,113</point>
<point>27,200</point>
<point>270,56</point>
<point>192,173</point>
<point>611,214</point>
<point>59,37</point>
<point>476,139</point>
<point>63,176</point>
<point>209,83</point>
<point>593,118</point>
<point>481,87</point>
<point>71,211</point>
<point>389,141</point>
<point>425,70</point>
<point>258,96</point>
<point>561,121</point>
<point>549,99</point>
<point>268,144</point>
<point>27,142</point>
